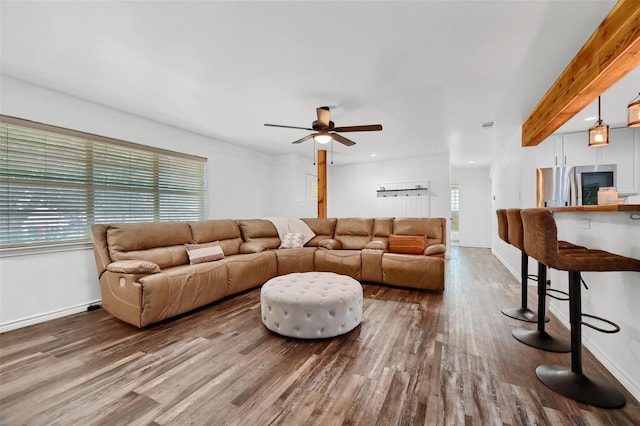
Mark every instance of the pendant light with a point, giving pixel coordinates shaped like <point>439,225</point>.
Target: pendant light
<point>633,112</point>
<point>599,133</point>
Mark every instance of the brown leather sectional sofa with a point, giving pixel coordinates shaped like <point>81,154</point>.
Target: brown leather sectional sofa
<point>145,275</point>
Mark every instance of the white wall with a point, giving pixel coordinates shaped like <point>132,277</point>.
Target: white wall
<point>352,188</point>
<point>290,196</point>
<point>612,295</point>
<point>506,175</point>
<point>35,287</point>
<point>475,206</point>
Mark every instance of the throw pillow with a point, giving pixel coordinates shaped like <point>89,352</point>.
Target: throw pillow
<point>207,252</point>
<point>407,244</point>
<point>292,240</point>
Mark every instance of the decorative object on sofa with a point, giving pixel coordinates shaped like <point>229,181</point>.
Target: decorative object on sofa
<point>311,305</point>
<point>326,131</point>
<point>599,133</point>
<point>207,252</point>
<point>407,244</point>
<point>295,225</point>
<point>292,240</point>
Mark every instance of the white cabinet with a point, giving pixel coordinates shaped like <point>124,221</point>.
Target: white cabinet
<point>576,150</point>
<point>570,149</point>
<point>549,152</point>
<point>624,151</point>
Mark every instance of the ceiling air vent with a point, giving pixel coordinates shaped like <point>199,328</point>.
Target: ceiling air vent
<point>488,124</point>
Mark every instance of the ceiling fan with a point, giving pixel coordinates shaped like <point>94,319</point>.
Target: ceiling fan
<point>325,129</point>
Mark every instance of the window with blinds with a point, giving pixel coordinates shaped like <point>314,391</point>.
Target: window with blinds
<point>56,182</point>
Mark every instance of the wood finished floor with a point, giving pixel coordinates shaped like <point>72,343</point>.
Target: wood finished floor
<point>417,358</point>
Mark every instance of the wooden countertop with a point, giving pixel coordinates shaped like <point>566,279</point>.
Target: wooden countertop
<point>602,208</point>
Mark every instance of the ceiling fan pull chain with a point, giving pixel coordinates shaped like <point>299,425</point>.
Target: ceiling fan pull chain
<point>314,152</point>
<point>332,152</point>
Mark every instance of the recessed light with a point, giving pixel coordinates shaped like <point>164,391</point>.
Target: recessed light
<point>373,155</point>
<point>471,162</point>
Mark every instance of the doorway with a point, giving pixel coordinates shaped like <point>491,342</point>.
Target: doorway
<point>455,214</point>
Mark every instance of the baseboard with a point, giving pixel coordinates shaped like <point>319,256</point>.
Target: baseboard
<point>515,273</point>
<point>24,322</point>
<point>474,245</point>
<point>601,357</point>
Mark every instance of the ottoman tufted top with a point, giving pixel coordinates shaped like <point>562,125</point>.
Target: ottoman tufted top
<point>311,304</point>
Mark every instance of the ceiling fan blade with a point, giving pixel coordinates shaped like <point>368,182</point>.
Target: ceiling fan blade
<point>306,138</point>
<point>324,115</point>
<point>287,127</point>
<point>342,139</point>
<point>365,128</point>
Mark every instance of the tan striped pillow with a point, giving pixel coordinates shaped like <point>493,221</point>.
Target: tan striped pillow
<point>207,252</point>
<point>407,244</point>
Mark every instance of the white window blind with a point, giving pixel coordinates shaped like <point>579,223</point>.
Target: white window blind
<point>56,182</point>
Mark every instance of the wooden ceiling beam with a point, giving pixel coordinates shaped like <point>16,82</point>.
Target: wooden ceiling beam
<point>610,53</point>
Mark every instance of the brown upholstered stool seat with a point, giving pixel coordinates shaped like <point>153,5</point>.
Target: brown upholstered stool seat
<point>541,243</point>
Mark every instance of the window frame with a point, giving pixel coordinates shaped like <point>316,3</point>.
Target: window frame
<point>92,145</point>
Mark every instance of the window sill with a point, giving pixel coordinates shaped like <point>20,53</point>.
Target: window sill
<point>41,249</point>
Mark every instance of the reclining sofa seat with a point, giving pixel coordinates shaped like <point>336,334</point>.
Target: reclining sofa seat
<point>145,275</point>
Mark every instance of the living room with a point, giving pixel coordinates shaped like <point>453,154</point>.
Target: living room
<point>245,182</point>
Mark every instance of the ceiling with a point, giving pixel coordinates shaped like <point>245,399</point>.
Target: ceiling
<point>431,72</point>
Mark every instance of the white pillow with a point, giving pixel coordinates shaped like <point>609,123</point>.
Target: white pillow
<point>292,240</point>
<point>207,252</point>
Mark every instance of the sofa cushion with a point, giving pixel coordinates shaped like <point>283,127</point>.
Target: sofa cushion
<point>405,270</point>
<point>206,252</point>
<point>382,228</point>
<point>159,242</point>
<point>225,231</point>
<point>354,233</point>
<point>259,230</point>
<point>324,228</point>
<point>344,262</point>
<point>407,244</point>
<point>181,289</point>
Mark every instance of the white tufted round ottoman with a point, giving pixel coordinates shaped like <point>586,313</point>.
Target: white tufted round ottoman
<point>311,305</point>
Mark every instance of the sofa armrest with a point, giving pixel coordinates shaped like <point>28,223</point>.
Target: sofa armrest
<point>253,247</point>
<point>435,249</point>
<point>330,244</point>
<point>376,245</point>
<point>133,267</point>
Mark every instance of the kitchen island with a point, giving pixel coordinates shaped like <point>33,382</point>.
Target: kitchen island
<point>599,208</point>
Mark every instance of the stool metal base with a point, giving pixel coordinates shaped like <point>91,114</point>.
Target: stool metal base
<point>579,387</point>
<point>523,314</point>
<point>541,340</point>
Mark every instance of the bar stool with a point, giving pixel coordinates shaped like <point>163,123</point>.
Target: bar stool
<point>510,231</point>
<point>541,242</point>
<point>539,338</point>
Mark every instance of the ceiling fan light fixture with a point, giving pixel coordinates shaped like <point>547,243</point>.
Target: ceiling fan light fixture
<point>599,133</point>
<point>323,138</point>
<point>633,112</point>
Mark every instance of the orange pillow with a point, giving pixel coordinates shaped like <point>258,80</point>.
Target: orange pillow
<point>407,244</point>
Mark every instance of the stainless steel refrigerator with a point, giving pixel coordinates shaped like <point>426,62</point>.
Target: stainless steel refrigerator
<point>555,187</point>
